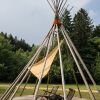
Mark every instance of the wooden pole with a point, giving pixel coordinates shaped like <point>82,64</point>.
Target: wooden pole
<point>51,6</point>
<point>78,66</point>
<point>61,65</point>
<point>14,84</point>
<point>45,61</point>
<point>80,59</point>
<point>25,84</point>
<point>76,82</point>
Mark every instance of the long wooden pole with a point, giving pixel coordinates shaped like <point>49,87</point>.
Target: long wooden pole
<point>78,66</point>
<point>60,5</point>
<point>28,71</point>
<point>54,4</point>
<point>45,62</point>
<point>63,5</point>
<point>76,82</point>
<point>79,57</point>
<point>61,65</point>
<point>26,74</point>
<point>25,84</point>
<point>51,6</point>
<point>14,84</point>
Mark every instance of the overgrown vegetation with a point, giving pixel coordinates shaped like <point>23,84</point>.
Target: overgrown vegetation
<point>14,53</point>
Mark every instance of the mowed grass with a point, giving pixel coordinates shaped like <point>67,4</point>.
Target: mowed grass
<point>30,87</point>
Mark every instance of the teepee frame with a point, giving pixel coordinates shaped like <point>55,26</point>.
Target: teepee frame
<point>57,28</point>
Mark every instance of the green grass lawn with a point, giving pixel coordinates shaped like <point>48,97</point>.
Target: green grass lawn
<point>30,88</point>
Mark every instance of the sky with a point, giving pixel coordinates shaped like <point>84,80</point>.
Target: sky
<point>32,19</point>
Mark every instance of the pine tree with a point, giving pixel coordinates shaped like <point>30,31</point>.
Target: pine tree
<point>83,27</point>
<point>67,20</point>
<point>96,32</point>
<point>11,61</point>
<point>83,30</point>
<point>97,68</point>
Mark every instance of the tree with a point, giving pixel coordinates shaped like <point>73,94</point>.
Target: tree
<point>2,72</point>
<point>83,28</point>
<point>82,31</point>
<point>97,69</point>
<point>67,20</point>
<point>11,62</point>
<point>5,57</point>
<point>96,32</point>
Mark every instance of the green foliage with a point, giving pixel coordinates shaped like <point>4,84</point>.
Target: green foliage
<point>96,42</point>
<point>97,69</point>
<point>83,27</point>
<point>67,20</point>
<point>96,32</point>
<point>14,53</point>
<point>83,30</point>
<point>16,43</point>
<point>11,62</point>
<point>2,71</point>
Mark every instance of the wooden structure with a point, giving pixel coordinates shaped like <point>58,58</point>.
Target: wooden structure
<point>56,29</point>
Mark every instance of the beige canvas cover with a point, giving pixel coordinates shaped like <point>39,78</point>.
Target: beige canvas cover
<point>38,67</point>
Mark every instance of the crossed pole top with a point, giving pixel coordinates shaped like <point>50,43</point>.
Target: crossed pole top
<point>58,8</point>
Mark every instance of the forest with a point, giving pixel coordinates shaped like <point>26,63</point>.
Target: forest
<point>15,53</point>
